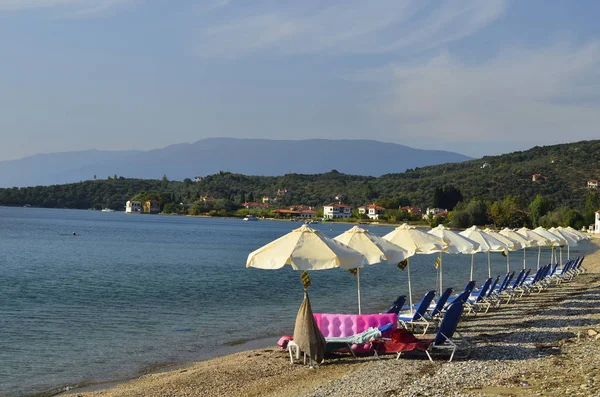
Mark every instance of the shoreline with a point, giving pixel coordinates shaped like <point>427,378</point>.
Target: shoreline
<point>266,371</point>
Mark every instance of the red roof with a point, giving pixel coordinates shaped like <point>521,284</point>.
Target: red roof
<point>287,212</point>
<point>337,205</point>
<point>373,206</point>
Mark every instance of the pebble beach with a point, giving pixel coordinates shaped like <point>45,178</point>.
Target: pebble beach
<point>544,344</point>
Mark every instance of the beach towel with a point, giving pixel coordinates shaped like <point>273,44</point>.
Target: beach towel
<point>401,341</point>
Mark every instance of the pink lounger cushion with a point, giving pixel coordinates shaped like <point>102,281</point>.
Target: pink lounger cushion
<point>336,325</point>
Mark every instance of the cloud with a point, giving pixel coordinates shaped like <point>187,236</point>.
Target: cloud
<point>73,7</point>
<point>349,27</point>
<point>522,95</point>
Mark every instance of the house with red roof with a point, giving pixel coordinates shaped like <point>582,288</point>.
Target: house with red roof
<point>255,206</point>
<point>337,210</point>
<point>373,211</point>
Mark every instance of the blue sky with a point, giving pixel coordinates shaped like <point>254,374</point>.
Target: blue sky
<point>476,77</point>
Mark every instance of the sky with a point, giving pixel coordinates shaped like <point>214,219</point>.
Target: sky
<point>471,76</point>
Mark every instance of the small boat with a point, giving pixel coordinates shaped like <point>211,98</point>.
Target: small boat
<point>107,210</point>
<point>250,218</point>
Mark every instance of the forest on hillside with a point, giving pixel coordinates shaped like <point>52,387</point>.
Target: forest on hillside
<point>507,180</point>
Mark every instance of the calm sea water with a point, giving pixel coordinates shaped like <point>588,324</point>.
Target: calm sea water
<point>132,291</point>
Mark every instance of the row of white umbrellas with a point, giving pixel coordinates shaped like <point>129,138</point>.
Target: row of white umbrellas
<point>307,249</point>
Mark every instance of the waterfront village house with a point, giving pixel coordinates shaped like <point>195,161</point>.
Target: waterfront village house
<point>431,212</point>
<point>152,207</point>
<point>297,213</point>
<point>412,210</point>
<point>373,211</point>
<point>593,184</point>
<point>133,206</point>
<point>266,200</point>
<point>597,224</point>
<point>337,210</point>
<point>283,193</point>
<point>339,198</point>
<point>255,206</point>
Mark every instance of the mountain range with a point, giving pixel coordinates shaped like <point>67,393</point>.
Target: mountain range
<point>209,156</point>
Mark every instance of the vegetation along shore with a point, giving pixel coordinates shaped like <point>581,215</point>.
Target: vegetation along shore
<point>546,186</point>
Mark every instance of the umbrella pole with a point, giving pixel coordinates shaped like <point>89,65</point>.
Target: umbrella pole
<point>409,287</point>
<point>561,256</point>
<point>489,266</point>
<point>524,258</point>
<point>568,252</point>
<point>507,262</point>
<point>539,254</point>
<point>358,281</point>
<point>441,271</point>
<point>472,261</point>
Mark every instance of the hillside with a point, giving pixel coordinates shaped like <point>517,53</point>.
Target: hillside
<point>565,170</point>
<point>209,156</point>
<point>566,167</point>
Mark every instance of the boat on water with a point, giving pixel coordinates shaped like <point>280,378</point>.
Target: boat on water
<point>107,210</point>
<point>250,218</point>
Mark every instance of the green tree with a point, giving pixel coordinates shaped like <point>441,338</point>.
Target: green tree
<point>446,197</point>
<point>538,208</point>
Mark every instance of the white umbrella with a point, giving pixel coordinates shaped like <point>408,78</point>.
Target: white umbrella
<point>414,240</point>
<point>374,248</point>
<point>570,240</point>
<point>535,239</point>
<point>554,239</point>
<point>305,249</point>
<point>578,233</point>
<point>572,233</point>
<point>486,243</point>
<point>457,244</point>
<point>525,243</point>
<point>511,244</point>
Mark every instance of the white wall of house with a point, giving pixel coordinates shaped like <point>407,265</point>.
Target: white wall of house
<point>597,224</point>
<point>334,211</point>
<point>133,206</point>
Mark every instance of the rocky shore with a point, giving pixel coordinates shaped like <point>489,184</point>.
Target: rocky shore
<point>545,344</point>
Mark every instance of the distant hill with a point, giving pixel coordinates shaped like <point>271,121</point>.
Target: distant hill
<point>209,156</point>
<point>562,172</point>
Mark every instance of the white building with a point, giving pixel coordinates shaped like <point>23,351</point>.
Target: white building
<point>336,210</point>
<point>373,211</point>
<point>133,206</point>
<point>593,184</point>
<point>597,224</point>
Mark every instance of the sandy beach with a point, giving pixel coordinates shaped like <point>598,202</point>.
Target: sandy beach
<point>543,344</point>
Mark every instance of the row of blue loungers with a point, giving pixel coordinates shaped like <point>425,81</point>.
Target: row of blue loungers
<point>445,312</point>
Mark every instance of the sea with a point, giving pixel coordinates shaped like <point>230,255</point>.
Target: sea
<point>89,297</point>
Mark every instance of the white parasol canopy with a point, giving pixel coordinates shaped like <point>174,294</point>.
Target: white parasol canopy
<point>570,240</point>
<point>536,239</point>
<point>457,244</point>
<point>305,249</point>
<point>553,239</point>
<point>417,241</point>
<point>510,243</point>
<point>572,233</point>
<point>374,248</point>
<point>577,232</point>
<point>486,242</point>
<point>525,243</point>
